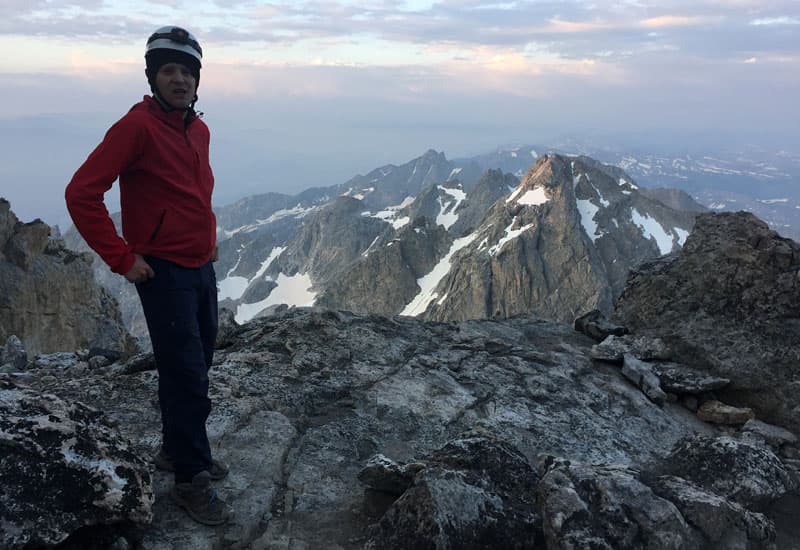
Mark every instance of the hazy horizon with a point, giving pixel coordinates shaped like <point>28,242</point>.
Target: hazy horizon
<point>302,94</point>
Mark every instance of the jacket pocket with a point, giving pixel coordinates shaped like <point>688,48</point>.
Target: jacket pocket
<point>158,227</point>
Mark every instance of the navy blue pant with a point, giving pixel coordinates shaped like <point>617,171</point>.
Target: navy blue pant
<point>180,306</point>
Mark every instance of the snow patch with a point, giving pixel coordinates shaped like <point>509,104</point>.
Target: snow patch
<point>510,234</point>
<point>587,210</point>
<point>294,291</point>
<point>366,252</point>
<point>232,287</point>
<point>772,201</point>
<point>534,197</point>
<point>652,229</point>
<point>428,283</point>
<point>447,216</point>
<point>454,172</point>
<point>682,235</point>
<point>390,214</point>
<point>296,212</point>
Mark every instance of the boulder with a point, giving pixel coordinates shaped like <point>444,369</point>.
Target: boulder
<point>723,523</point>
<point>716,412</point>
<point>607,507</point>
<point>728,304</point>
<point>595,325</point>
<point>64,468</point>
<point>773,435</point>
<point>642,375</point>
<point>14,354</point>
<point>476,492</point>
<point>681,380</point>
<point>613,348</point>
<point>721,465</point>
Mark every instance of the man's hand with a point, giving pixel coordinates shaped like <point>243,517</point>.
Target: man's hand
<point>140,272</point>
<point>215,254</point>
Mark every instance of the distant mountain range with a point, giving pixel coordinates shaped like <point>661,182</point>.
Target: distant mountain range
<point>417,240</point>
<point>518,230</point>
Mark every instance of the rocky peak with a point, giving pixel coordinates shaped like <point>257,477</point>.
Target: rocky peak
<point>558,245</point>
<point>48,296</point>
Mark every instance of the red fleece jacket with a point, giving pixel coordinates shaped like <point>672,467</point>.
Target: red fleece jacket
<point>165,183</point>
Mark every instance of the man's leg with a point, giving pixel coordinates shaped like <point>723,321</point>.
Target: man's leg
<point>171,306</point>
<point>208,317</point>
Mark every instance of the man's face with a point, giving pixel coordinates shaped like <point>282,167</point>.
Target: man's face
<point>176,84</point>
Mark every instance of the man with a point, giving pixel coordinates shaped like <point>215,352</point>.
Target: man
<point>159,152</point>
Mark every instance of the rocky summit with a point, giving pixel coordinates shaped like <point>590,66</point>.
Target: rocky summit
<point>347,431</point>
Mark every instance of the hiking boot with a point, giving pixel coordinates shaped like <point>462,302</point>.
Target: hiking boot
<point>219,470</point>
<point>201,501</point>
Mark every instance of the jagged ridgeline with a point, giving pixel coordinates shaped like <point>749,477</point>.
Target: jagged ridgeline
<point>443,241</point>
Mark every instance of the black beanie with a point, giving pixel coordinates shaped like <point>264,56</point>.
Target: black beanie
<point>156,58</point>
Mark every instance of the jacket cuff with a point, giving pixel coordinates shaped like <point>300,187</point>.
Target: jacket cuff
<point>125,264</point>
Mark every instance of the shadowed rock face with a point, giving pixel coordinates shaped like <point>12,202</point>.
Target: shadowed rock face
<point>728,304</point>
<point>48,297</point>
<point>304,401</point>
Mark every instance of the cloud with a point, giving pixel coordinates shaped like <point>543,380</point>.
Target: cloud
<point>783,20</point>
<point>673,21</point>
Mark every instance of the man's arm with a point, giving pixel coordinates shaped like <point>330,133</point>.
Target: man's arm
<point>120,147</point>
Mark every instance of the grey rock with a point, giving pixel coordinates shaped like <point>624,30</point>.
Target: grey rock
<point>98,361</point>
<point>720,464</point>
<point>642,375</point>
<point>48,297</point>
<point>691,402</point>
<point>727,305</point>
<point>476,492</point>
<point>227,328</point>
<point>60,360</point>
<point>26,243</point>
<point>302,399</point>
<point>139,363</point>
<point>595,325</point>
<point>613,348</point>
<point>609,507</point>
<point>774,435</point>
<point>384,474</point>
<point>64,468</point>
<point>682,380</point>
<point>725,524</point>
<point>14,354</point>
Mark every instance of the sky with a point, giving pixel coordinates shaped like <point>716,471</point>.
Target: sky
<point>301,94</point>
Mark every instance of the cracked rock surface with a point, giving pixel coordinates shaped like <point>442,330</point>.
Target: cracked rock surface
<point>305,399</point>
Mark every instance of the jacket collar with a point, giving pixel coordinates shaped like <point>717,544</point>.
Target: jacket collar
<point>173,118</point>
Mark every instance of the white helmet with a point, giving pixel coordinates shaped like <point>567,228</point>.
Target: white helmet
<point>174,38</point>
